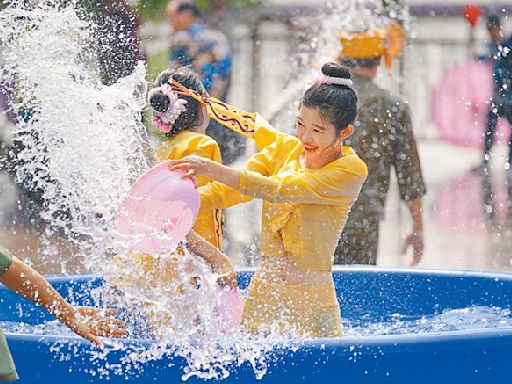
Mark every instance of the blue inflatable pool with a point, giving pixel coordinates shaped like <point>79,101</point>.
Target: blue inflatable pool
<point>477,355</point>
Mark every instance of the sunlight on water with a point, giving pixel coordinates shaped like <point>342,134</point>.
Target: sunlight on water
<point>471,318</point>
<point>450,320</point>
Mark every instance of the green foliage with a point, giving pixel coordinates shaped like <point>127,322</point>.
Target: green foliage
<point>155,9</point>
<point>151,9</point>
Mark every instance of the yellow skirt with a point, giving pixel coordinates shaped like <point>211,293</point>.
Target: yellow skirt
<point>307,310</point>
<point>142,271</point>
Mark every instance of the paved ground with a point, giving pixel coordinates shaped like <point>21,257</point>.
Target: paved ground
<point>465,227</point>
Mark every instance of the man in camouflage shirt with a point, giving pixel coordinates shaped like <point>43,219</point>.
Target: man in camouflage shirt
<point>383,138</point>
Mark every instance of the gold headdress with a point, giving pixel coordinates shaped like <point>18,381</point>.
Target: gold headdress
<point>389,43</point>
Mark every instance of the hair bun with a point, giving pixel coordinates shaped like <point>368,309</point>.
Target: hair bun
<point>335,70</point>
<point>159,101</point>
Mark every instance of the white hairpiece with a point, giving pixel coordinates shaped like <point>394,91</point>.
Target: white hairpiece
<point>165,120</point>
<point>324,79</point>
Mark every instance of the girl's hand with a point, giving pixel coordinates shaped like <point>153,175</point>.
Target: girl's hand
<point>90,322</point>
<point>199,166</point>
<point>193,166</point>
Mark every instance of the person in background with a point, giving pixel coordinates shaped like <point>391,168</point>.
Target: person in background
<point>501,102</point>
<point>384,139</point>
<point>208,52</point>
<point>86,322</point>
<point>493,25</point>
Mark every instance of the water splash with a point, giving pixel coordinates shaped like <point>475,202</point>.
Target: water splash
<point>83,145</point>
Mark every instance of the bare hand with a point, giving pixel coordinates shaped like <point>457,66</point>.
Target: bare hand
<point>90,322</point>
<point>415,240</point>
<point>193,166</point>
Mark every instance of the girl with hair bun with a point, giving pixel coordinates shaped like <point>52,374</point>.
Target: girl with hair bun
<point>308,184</point>
<point>183,121</point>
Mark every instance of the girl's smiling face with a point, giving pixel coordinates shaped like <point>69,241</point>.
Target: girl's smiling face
<point>322,142</point>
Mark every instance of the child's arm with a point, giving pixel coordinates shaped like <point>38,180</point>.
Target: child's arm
<point>84,321</point>
<point>219,262</point>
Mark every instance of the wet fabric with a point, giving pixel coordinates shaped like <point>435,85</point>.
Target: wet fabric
<point>496,111</point>
<point>308,310</point>
<point>384,139</point>
<point>209,221</point>
<point>360,239</point>
<point>231,145</point>
<point>501,103</point>
<point>503,73</point>
<point>5,260</point>
<point>7,367</point>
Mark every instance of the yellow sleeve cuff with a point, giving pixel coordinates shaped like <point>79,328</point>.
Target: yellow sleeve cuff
<point>209,199</point>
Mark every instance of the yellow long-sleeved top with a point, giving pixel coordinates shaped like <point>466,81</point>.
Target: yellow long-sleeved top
<point>209,220</point>
<point>304,210</point>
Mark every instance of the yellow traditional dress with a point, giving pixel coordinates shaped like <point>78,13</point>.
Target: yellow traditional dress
<point>304,211</point>
<point>185,143</point>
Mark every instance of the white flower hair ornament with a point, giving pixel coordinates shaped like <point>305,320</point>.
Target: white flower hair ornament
<point>324,79</point>
<point>164,121</point>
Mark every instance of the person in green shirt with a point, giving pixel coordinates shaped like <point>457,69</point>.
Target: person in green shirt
<point>87,322</point>
<point>384,139</point>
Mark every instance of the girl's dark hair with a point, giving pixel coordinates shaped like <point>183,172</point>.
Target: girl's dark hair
<point>160,102</point>
<point>337,103</point>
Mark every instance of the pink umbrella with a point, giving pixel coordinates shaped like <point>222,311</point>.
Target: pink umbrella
<point>460,103</point>
<point>158,213</point>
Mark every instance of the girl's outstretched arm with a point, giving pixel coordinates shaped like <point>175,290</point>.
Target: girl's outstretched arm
<point>336,185</point>
<point>249,124</point>
<point>218,261</point>
<point>87,322</point>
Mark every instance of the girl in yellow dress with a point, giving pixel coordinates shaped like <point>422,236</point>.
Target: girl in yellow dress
<point>308,184</point>
<point>183,120</point>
